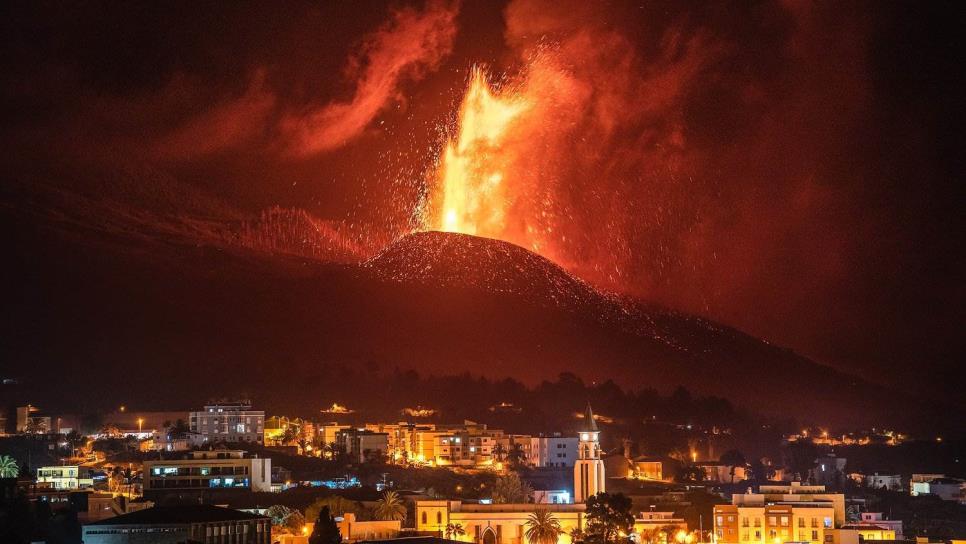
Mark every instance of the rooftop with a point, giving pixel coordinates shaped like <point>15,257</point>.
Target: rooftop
<point>193,513</point>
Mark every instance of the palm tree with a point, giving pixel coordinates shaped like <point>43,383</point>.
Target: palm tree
<point>543,528</point>
<point>454,530</point>
<point>8,467</point>
<point>390,507</point>
<point>576,535</point>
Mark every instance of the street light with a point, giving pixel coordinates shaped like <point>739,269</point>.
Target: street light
<point>140,422</point>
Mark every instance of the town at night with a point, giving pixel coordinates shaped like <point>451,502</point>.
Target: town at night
<point>482,272</point>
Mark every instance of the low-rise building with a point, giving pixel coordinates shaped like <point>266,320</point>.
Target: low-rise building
<point>208,470</point>
<point>552,496</point>
<point>662,527</point>
<point>878,520</point>
<point>947,489</point>
<point>65,477</point>
<point>177,524</point>
<point>892,482</point>
<point>722,473</point>
<point>165,441</point>
<point>871,526</point>
<point>353,530</point>
<point>648,469</point>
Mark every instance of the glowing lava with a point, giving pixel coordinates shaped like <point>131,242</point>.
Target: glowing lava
<point>471,195</point>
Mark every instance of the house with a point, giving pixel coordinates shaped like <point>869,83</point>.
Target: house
<point>65,477</point>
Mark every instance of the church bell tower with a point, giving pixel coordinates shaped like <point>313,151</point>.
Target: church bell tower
<point>589,468</point>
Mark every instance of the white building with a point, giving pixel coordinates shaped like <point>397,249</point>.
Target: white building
<point>892,482</point>
<point>551,496</point>
<point>65,477</point>
<point>877,519</point>
<point>231,422</point>
<point>947,489</point>
<point>553,451</point>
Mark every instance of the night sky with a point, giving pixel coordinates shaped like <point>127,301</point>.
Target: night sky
<point>788,168</point>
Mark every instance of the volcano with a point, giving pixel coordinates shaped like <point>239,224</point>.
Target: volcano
<point>218,318</point>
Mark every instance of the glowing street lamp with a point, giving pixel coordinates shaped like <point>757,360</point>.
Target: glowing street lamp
<point>140,423</point>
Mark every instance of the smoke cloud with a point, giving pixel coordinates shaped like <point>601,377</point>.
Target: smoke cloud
<point>411,43</point>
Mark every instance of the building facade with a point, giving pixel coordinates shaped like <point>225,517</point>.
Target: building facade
<point>65,477</point>
<point>772,524</point>
<point>553,451</point>
<point>492,523</point>
<point>208,470</point>
<point>232,422</point>
<point>779,514</point>
<point>362,445</point>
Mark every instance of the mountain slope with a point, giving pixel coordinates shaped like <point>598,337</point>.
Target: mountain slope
<point>170,321</point>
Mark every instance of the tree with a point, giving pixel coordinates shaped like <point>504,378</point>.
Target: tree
<point>669,532</point>
<point>543,527</point>
<point>294,522</point>
<point>290,434</point>
<point>278,513</point>
<point>111,430</point>
<point>576,535</point>
<point>800,457</point>
<point>692,473</point>
<point>509,488</point>
<point>608,516</point>
<point>515,456</point>
<point>325,531</point>
<point>390,507</point>
<point>8,467</point>
<point>454,530</point>
<point>734,459</point>
<point>180,429</point>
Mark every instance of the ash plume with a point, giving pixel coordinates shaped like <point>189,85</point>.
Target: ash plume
<point>411,43</point>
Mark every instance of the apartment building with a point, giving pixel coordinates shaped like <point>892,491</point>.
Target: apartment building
<point>552,451</point>
<point>778,514</point>
<point>231,422</point>
<point>773,523</point>
<point>208,470</point>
